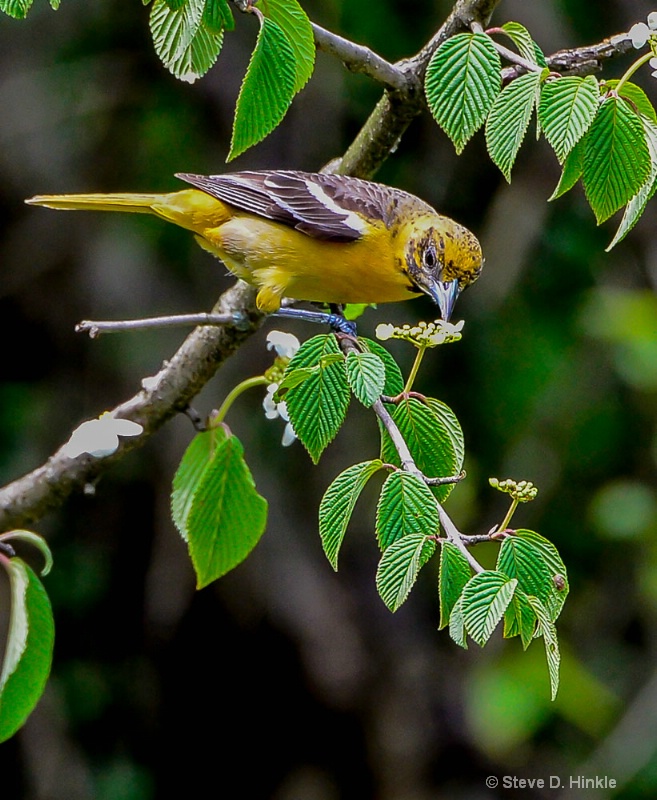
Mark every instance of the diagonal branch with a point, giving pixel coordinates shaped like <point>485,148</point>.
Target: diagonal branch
<point>181,378</point>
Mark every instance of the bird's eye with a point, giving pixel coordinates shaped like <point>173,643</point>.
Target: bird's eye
<point>429,257</point>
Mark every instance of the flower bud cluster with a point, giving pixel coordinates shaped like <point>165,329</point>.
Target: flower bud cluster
<point>424,334</point>
<point>522,491</point>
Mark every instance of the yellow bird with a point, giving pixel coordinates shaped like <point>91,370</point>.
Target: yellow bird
<point>310,236</point>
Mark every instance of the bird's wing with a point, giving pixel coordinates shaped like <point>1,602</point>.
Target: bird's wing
<point>330,207</point>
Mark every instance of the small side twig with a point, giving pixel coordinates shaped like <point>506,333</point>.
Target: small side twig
<point>96,327</point>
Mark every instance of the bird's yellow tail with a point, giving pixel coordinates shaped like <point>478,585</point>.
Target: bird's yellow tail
<point>189,208</point>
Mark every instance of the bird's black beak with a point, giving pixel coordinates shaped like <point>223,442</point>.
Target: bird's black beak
<point>444,294</point>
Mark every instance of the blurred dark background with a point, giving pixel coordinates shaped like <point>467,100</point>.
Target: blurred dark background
<point>283,680</point>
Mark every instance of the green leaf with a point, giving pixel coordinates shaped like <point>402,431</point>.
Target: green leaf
<point>509,118</point>
<point>526,46</point>
<point>454,573</point>
<point>520,619</point>
<point>267,89</point>
<point>399,567</point>
<point>616,158</point>
<point>462,81</point>
<point>519,558</point>
<point>566,110</point>
<point>572,170</point>
<point>29,646</point>
<point>338,504</point>
<point>187,49</point>
<point>405,506</point>
<point>218,17</point>
<point>451,426</point>
<point>429,439</point>
<point>548,631</point>
<point>394,384</point>
<point>227,516</point>
<point>457,626</point>
<point>366,374</point>
<point>637,97</point>
<point>637,204</point>
<point>186,481</point>
<point>16,8</point>
<point>317,407</point>
<point>484,601</point>
<point>54,4</point>
<point>294,23</point>
<point>35,540</point>
<point>295,378</point>
<point>556,568</point>
<point>176,5</point>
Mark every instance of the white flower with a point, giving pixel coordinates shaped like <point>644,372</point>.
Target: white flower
<point>639,34</point>
<point>285,344</point>
<point>275,410</point>
<point>100,437</point>
<point>652,20</point>
<point>384,331</point>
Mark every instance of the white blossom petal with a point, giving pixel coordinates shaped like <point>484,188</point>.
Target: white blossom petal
<point>639,33</point>
<point>652,20</point>
<point>285,344</point>
<point>384,331</point>
<point>289,436</point>
<point>100,437</point>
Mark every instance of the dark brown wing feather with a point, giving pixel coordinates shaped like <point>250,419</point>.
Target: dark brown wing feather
<point>321,206</point>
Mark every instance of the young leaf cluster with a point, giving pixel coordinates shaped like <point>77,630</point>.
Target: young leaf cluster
<point>527,589</point>
<point>602,133</point>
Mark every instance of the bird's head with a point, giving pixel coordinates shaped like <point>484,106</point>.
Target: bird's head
<point>442,258</point>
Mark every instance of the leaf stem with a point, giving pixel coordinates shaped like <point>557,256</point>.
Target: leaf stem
<point>414,369</point>
<point>249,383</point>
<point>507,519</point>
<point>632,69</point>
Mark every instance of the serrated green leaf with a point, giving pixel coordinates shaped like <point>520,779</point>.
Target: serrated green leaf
<point>405,506</point>
<point>193,464</point>
<point>399,567</point>
<point>566,110</point>
<point>616,158</point>
<point>16,8</point>
<point>294,378</point>
<point>454,573</point>
<point>296,26</point>
<point>227,516</point>
<point>429,439</point>
<point>451,426</point>
<point>338,504</point>
<point>508,120</point>
<point>484,600</point>
<point>572,170</point>
<point>394,383</point>
<point>637,204</point>
<point>181,41</point>
<point>366,374</point>
<point>318,406</point>
<point>457,626</point>
<point>520,619</point>
<point>176,5</point>
<point>218,17</point>
<point>637,97</point>
<point>526,46</point>
<point>556,568</point>
<point>462,81</point>
<point>267,89</point>
<point>548,631</point>
<point>29,646</point>
<point>35,540</point>
<point>519,558</point>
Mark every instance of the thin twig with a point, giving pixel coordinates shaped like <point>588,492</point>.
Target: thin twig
<point>358,58</point>
<point>96,327</point>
